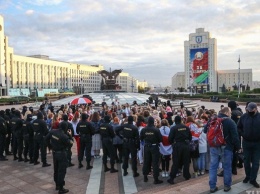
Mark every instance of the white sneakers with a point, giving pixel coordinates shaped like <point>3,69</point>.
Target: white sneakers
<point>165,174</point>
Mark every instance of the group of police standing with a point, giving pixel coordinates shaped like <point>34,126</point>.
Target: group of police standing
<point>26,137</point>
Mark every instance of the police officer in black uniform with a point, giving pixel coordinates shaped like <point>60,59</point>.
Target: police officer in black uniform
<point>130,135</point>
<point>152,138</point>
<point>70,131</point>
<point>107,135</point>
<point>27,130</point>
<point>85,131</point>
<point>16,127</point>
<point>7,118</point>
<point>180,137</point>
<point>3,132</point>
<point>59,142</point>
<point>40,131</point>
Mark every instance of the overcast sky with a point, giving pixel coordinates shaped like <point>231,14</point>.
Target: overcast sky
<point>143,37</point>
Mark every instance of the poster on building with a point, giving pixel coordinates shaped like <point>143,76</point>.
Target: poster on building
<point>199,66</point>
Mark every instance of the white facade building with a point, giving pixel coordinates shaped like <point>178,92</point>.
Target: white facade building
<point>178,81</point>
<point>230,78</point>
<point>200,61</point>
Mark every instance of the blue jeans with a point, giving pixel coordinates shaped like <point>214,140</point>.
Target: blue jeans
<point>251,160</point>
<point>202,161</point>
<point>226,156</point>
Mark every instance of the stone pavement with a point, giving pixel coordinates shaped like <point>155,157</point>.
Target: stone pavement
<point>21,178</point>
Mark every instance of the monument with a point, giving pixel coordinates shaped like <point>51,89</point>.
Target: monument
<point>110,79</point>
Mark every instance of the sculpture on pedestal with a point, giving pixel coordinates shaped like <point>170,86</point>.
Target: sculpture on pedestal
<point>110,79</point>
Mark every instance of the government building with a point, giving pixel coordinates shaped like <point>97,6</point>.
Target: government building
<point>38,74</point>
<point>201,73</point>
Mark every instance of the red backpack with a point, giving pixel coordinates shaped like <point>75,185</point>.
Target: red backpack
<point>215,134</point>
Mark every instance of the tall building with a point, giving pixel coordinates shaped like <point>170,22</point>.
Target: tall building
<point>178,81</point>
<point>38,74</point>
<point>200,59</point>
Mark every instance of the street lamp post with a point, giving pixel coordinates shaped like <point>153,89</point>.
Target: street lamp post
<point>238,76</point>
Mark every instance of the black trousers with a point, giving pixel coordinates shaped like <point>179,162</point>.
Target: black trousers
<point>119,149</point>
<point>108,150</point>
<point>130,148</point>
<point>69,154</point>
<point>151,156</point>
<point>181,154</point>
<point>85,146</point>
<point>39,144</point>
<point>2,145</point>
<point>60,164</point>
<point>18,145</point>
<point>28,147</point>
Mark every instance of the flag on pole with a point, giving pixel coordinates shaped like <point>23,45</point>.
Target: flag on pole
<point>239,59</point>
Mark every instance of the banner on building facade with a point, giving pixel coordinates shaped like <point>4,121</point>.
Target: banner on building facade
<point>199,66</point>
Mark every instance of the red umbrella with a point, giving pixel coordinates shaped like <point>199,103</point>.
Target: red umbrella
<point>80,101</point>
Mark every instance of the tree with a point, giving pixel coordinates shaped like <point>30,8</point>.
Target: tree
<point>166,91</point>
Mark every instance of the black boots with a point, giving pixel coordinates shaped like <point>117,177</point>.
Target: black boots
<point>63,190</point>
<point>88,166</point>
<point>46,164</point>
<point>26,159</point>
<point>20,159</point>
<point>113,170</point>
<point>80,165</point>
<point>106,168</point>
<point>135,174</point>
<point>145,178</point>
<point>157,181</point>
<point>125,172</point>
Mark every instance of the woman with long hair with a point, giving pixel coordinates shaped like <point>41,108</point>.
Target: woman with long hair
<point>74,123</point>
<point>194,144</point>
<point>165,148</point>
<point>96,138</point>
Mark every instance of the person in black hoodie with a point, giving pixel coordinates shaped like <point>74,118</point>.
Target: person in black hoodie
<point>249,128</point>
<point>40,131</point>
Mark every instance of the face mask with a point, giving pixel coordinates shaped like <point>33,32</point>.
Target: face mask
<point>251,113</point>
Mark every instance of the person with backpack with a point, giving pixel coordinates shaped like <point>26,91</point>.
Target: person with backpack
<point>222,139</point>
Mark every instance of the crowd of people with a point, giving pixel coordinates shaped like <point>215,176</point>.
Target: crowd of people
<point>163,139</point>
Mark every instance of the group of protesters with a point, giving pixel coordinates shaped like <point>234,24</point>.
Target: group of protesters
<point>153,136</point>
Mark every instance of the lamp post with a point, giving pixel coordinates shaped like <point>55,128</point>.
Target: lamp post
<point>238,76</point>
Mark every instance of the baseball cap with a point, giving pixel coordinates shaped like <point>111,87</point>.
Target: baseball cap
<point>251,106</point>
